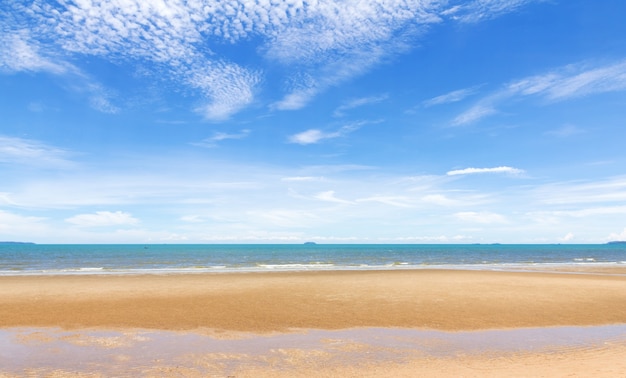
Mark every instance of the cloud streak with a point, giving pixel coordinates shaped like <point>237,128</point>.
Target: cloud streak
<point>221,136</point>
<point>359,102</point>
<point>562,84</point>
<point>473,171</point>
<point>32,153</point>
<point>480,10</point>
<point>450,97</point>
<point>313,136</point>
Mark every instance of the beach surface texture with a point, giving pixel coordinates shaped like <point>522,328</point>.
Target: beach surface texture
<point>372,323</point>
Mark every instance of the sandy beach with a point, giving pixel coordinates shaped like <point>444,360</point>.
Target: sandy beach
<point>279,303</point>
<point>266,302</point>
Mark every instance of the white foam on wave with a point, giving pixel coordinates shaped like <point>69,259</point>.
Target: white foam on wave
<point>296,266</point>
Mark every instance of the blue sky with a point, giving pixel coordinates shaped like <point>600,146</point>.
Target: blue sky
<point>400,121</point>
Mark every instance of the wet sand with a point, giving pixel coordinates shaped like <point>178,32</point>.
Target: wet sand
<point>377,323</point>
<point>361,352</point>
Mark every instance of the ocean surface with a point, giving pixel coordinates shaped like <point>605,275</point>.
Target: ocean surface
<point>33,259</point>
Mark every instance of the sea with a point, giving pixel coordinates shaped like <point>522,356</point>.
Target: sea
<point>73,259</point>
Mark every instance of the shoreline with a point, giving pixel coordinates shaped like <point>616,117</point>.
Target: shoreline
<point>616,268</point>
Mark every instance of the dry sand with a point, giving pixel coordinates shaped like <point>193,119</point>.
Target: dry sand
<point>265,302</point>
<point>271,303</point>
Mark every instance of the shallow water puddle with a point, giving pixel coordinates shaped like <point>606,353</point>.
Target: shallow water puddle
<point>43,351</point>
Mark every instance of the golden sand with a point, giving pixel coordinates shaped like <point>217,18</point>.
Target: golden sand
<point>266,302</point>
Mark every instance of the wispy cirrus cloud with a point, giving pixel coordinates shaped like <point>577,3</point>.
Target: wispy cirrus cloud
<point>572,81</point>
<point>32,153</point>
<point>472,171</point>
<point>396,201</point>
<point>480,10</point>
<point>313,136</point>
<point>302,178</point>
<point>19,52</point>
<point>317,44</point>
<point>609,190</point>
<point>565,131</point>
<point>165,34</point>
<point>329,196</point>
<point>220,136</point>
<point>450,97</point>
<point>483,217</point>
<point>336,41</point>
<point>582,213</point>
<point>358,102</point>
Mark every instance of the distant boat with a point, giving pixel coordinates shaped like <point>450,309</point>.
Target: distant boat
<point>310,243</point>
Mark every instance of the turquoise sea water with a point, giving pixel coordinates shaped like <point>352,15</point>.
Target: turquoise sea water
<point>22,259</point>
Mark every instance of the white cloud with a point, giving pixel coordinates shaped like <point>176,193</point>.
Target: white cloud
<point>220,136</point>
<point>318,43</point>
<point>299,96</point>
<point>450,97</point>
<point>610,190</point>
<point>13,225</point>
<point>471,171</point>
<point>241,201</point>
<point>167,34</point>
<point>329,196</point>
<point>608,210</point>
<point>572,81</point>
<point>582,81</point>
<point>483,217</point>
<point>475,113</point>
<point>32,153</point>
<point>19,53</point>
<point>569,237</point>
<point>302,178</point>
<point>479,10</point>
<point>310,136</point>
<point>439,199</point>
<point>396,201</point>
<point>313,136</point>
<point>228,87</point>
<point>103,219</point>
<point>192,219</point>
<point>565,131</point>
<point>356,103</point>
<point>617,236</point>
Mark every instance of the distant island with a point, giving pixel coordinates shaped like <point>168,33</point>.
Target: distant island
<point>617,242</point>
<point>14,242</point>
<point>310,243</point>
